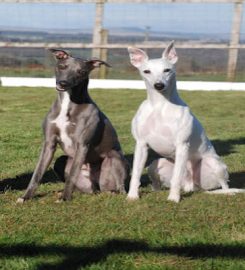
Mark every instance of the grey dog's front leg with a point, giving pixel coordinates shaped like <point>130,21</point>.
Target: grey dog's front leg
<point>70,180</point>
<point>45,159</point>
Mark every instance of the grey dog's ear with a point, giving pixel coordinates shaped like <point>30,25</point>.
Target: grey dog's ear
<point>60,54</point>
<point>97,63</point>
<point>170,53</point>
<point>137,56</point>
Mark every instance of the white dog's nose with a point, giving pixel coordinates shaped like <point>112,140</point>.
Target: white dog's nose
<point>159,86</point>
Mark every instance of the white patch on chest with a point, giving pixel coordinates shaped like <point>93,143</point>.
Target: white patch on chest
<point>157,130</point>
<point>62,122</point>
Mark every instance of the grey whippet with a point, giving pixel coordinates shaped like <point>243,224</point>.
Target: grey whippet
<point>94,158</point>
<point>165,123</point>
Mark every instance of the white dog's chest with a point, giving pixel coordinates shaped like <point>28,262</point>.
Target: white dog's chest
<point>160,137</point>
<point>157,131</point>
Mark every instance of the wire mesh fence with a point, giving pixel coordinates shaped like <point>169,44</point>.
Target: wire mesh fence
<point>126,23</point>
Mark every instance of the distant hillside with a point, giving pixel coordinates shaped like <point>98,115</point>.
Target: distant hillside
<point>123,34</point>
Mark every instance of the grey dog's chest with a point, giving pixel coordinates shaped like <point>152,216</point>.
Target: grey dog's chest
<point>63,123</point>
<point>74,123</point>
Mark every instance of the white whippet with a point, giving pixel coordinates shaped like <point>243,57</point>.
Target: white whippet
<point>165,124</point>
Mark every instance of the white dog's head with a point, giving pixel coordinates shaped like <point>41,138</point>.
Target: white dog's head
<point>157,73</point>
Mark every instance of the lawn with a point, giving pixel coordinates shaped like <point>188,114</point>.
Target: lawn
<point>104,231</point>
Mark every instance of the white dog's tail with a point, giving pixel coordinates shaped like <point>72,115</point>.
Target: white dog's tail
<point>230,191</point>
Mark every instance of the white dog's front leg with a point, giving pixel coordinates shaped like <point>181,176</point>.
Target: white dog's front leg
<point>180,167</point>
<point>140,156</point>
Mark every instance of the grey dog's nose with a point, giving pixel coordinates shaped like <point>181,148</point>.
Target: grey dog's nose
<point>63,83</point>
<point>159,86</point>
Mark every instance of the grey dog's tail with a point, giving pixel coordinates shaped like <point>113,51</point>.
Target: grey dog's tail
<point>230,191</point>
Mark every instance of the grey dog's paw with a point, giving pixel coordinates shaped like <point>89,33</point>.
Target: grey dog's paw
<point>59,201</point>
<point>20,200</point>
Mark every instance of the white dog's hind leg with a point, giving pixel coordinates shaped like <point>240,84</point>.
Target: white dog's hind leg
<point>213,173</point>
<point>160,172</point>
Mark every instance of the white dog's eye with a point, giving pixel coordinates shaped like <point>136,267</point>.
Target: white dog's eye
<point>166,70</point>
<point>147,71</point>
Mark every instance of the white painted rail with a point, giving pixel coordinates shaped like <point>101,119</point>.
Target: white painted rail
<point>124,84</point>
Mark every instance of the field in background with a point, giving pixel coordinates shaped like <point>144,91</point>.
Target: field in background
<point>193,64</point>
<point>105,231</point>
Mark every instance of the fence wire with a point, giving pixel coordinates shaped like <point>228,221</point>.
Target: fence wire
<point>126,23</point>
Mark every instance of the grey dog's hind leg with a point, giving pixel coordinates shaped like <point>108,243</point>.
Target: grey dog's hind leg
<point>114,172</point>
<point>85,182</point>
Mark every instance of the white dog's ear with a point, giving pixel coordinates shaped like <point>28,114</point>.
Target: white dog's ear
<point>170,53</point>
<point>137,56</point>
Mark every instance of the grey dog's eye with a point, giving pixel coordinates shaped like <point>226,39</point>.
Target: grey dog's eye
<point>147,71</point>
<point>82,72</point>
<point>62,66</point>
<point>166,70</point>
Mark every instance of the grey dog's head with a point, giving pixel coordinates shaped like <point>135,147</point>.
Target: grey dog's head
<point>157,73</point>
<point>71,71</point>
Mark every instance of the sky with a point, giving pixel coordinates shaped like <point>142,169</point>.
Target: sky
<point>185,18</point>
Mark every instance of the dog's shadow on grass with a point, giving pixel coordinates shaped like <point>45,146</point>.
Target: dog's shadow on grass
<point>226,147</point>
<point>237,180</point>
<point>20,182</point>
<point>78,257</point>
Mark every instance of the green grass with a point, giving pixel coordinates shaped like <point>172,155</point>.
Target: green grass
<point>104,231</point>
<point>119,72</point>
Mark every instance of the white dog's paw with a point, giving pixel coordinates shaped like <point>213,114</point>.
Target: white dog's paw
<point>20,200</point>
<point>174,197</point>
<point>132,197</point>
<point>188,187</point>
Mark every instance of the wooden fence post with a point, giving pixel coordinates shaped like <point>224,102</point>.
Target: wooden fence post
<point>103,53</point>
<point>98,25</point>
<point>234,40</point>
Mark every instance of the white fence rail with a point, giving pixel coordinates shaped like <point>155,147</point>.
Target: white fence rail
<point>124,84</point>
